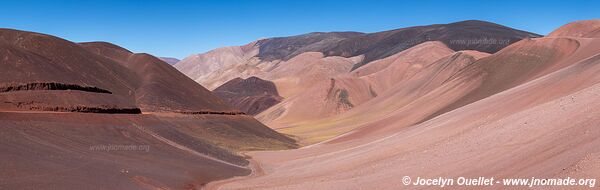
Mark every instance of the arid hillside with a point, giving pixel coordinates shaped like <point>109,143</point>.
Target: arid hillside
<point>75,116</point>
<point>527,110</point>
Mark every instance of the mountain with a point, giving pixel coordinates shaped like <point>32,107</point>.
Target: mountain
<point>169,60</point>
<point>252,95</point>
<point>160,87</point>
<point>75,116</point>
<point>213,68</point>
<point>323,94</point>
<point>284,48</point>
<point>529,110</point>
<point>403,83</point>
<point>395,83</point>
<point>466,35</point>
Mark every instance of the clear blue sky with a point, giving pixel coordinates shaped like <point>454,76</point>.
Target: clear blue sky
<point>181,28</point>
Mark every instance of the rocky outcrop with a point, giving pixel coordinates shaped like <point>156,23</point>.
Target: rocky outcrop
<point>85,109</point>
<point>50,86</point>
<point>38,106</point>
<point>339,97</point>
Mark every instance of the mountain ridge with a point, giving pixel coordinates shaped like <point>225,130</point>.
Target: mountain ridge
<point>264,55</point>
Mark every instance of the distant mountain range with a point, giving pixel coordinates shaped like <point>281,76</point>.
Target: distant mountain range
<point>169,60</point>
<point>218,66</point>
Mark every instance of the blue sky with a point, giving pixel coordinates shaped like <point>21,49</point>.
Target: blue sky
<point>181,28</point>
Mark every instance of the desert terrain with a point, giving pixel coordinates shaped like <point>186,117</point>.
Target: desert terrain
<point>441,112</point>
<point>321,110</point>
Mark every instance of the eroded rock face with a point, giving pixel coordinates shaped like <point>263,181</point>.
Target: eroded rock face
<point>50,86</point>
<point>252,95</point>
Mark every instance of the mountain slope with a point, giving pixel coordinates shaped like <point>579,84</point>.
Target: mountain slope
<point>214,68</point>
<point>163,131</point>
<point>160,87</point>
<point>46,66</point>
<point>580,29</point>
<point>334,93</point>
<point>533,113</point>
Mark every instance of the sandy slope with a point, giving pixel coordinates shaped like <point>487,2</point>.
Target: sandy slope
<point>411,101</point>
<point>306,83</point>
<point>370,96</point>
<point>529,110</point>
<point>56,151</point>
<point>301,72</point>
<point>322,89</point>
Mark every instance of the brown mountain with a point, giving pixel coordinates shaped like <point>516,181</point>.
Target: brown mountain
<point>160,87</point>
<point>42,72</point>
<point>252,95</point>
<point>55,96</point>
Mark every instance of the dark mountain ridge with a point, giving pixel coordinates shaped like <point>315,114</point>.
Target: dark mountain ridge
<point>465,35</point>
